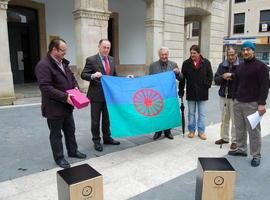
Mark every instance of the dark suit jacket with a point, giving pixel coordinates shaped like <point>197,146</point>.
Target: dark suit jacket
<point>53,83</point>
<point>94,64</point>
<point>156,68</point>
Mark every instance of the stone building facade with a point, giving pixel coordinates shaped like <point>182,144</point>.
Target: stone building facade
<point>164,25</point>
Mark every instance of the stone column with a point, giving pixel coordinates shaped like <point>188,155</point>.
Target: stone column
<point>91,23</point>
<point>174,29</point>
<point>154,25</point>
<point>165,27</point>
<point>212,33</point>
<point>7,95</point>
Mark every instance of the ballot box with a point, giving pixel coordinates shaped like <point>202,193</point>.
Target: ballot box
<point>79,183</point>
<point>215,179</point>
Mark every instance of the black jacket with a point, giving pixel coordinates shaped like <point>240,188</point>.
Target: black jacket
<point>198,80</point>
<point>53,83</point>
<point>225,67</point>
<point>252,82</point>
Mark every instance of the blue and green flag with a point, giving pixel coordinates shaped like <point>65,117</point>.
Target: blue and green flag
<point>141,105</point>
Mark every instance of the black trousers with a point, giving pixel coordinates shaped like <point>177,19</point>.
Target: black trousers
<point>99,109</point>
<point>167,131</point>
<point>67,125</point>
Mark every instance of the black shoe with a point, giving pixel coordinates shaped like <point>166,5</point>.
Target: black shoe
<point>221,141</point>
<point>98,146</point>
<point>169,135</point>
<point>255,162</point>
<point>63,163</point>
<point>237,153</point>
<point>77,155</point>
<point>157,135</point>
<point>111,141</point>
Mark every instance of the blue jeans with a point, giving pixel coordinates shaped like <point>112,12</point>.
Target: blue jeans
<point>192,122</point>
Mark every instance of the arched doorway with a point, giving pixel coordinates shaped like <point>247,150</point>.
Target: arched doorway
<point>209,15</point>
<point>194,27</point>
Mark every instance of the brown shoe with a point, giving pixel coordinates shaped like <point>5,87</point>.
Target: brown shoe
<point>191,134</point>
<point>221,141</point>
<point>233,146</point>
<point>202,136</point>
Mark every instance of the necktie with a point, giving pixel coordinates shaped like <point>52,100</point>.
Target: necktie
<point>164,66</point>
<point>107,66</point>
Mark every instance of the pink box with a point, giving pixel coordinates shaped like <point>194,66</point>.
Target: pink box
<point>79,100</point>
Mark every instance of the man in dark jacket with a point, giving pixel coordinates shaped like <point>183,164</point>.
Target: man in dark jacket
<point>54,78</point>
<point>252,84</point>
<point>198,76</point>
<point>225,77</point>
<point>96,66</point>
<point>164,65</point>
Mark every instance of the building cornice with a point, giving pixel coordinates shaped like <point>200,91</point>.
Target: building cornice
<point>91,14</point>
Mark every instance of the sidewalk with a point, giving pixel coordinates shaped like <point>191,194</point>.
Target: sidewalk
<point>160,170</point>
<point>138,169</point>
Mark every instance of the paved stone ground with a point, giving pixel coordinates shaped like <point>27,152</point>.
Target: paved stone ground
<point>251,183</point>
<point>157,170</point>
<point>25,141</point>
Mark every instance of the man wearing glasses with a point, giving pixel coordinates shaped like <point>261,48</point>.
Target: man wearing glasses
<point>54,79</point>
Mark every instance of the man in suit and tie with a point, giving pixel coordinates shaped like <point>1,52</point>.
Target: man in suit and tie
<point>55,78</point>
<point>96,66</point>
<point>163,65</point>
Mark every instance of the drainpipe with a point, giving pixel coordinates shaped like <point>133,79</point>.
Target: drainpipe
<point>230,19</point>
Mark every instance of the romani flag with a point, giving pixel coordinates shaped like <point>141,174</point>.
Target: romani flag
<point>141,105</point>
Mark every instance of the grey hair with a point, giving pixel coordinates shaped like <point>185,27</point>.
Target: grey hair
<point>231,48</point>
<point>163,48</point>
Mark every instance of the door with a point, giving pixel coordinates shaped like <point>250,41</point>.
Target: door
<point>23,43</point>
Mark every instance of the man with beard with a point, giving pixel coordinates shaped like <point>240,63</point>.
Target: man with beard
<point>252,84</point>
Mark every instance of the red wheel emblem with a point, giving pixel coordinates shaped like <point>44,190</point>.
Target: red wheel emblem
<point>148,102</point>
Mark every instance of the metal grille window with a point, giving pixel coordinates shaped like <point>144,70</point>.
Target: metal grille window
<point>239,23</point>
<point>195,28</point>
<point>264,25</point>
